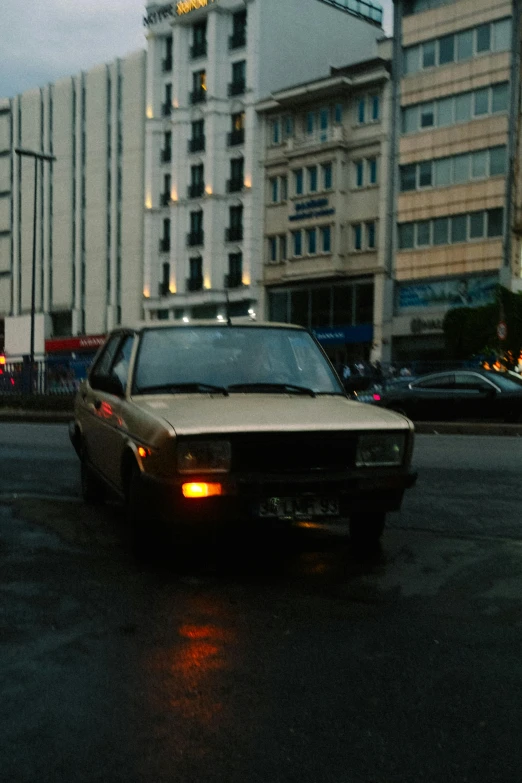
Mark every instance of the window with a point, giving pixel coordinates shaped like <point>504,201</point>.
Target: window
<point>276,131</point>
<point>359,173</point>
<point>442,172</point>
<point>410,119</point>
<point>326,239</point>
<point>288,126</point>
<point>476,225</point>
<point>479,164</point>
<point>297,243</point>
<point>440,231</point>
<point>481,102</point>
<point>459,228</point>
<point>282,247</point>
<point>406,236</point>
<point>361,110</point>
<point>425,174</point>
<point>310,122</point>
<point>235,270</point>
<point>408,177</point>
<point>311,241</point>
<point>370,235</point>
<point>372,170</point>
<point>423,237</point>
<point>495,219</point>
<point>497,161</point>
<point>357,236</point>
<point>338,113</point>
<point>312,179</point>
<point>236,175</point>
<point>284,188</point>
<point>465,45</point>
<point>463,107</point>
<point>326,169</point>
<point>239,72</point>
<point>324,116</point>
<point>411,59</point>
<point>428,54</point>
<point>196,271</point>
<point>427,115</point>
<point>239,22</point>
<point>298,182</point>
<point>502,35</point>
<point>446,49</point>
<point>199,40</point>
<point>199,86</point>
<point>461,168</point>
<point>445,112</point>
<point>375,105</point>
<point>483,38</point>
<point>272,249</point>
<point>499,97</point>
<point>274,190</point>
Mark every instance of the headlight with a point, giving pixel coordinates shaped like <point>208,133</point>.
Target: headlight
<point>380,449</point>
<point>204,456</point>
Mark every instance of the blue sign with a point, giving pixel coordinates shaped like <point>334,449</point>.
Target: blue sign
<point>452,292</point>
<point>315,207</point>
<point>341,335</point>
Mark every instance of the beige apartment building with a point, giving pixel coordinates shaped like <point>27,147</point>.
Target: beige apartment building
<point>455,188</point>
<point>326,159</point>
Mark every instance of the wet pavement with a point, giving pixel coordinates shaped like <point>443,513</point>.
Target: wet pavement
<point>267,666</point>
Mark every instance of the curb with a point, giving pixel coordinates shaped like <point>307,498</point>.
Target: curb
<point>36,417</point>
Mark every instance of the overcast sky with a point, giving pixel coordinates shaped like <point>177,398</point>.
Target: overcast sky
<point>42,40</point>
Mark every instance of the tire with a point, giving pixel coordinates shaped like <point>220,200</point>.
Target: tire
<point>92,489</point>
<point>366,530</point>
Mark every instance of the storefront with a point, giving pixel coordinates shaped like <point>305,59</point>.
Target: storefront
<point>340,314</point>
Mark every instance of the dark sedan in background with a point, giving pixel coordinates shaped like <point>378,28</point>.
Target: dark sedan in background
<point>456,395</point>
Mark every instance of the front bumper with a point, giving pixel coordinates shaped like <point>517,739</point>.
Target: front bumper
<point>243,495</point>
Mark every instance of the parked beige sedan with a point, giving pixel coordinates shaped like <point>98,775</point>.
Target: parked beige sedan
<point>201,425</point>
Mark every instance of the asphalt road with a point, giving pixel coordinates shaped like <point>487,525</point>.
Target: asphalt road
<point>307,666</point>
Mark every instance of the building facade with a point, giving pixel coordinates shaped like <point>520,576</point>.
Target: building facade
<point>326,160</point>
<point>88,239</point>
<point>455,226</point>
<point>209,64</point>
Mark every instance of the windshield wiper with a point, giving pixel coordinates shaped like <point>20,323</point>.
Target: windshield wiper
<point>173,388</point>
<point>281,387</point>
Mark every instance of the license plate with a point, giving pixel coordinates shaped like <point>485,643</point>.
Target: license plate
<point>299,507</point>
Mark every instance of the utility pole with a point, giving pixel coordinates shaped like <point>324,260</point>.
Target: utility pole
<point>38,157</point>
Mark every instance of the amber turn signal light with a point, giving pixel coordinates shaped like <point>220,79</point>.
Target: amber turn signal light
<point>201,490</point>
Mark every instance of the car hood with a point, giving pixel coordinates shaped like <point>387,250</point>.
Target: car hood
<point>198,414</point>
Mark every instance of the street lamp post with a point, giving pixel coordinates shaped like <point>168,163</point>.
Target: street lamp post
<point>38,156</point>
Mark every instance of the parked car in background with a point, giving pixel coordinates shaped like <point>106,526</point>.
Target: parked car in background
<point>457,395</point>
<point>200,426</point>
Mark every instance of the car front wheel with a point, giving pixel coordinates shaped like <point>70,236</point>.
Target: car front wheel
<point>366,529</point>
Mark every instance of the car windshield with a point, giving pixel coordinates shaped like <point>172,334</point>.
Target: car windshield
<point>239,359</point>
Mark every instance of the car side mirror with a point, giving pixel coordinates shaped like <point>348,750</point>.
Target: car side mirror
<point>108,383</point>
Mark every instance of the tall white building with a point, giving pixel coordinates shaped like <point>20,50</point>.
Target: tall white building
<point>209,63</point>
<point>89,218</point>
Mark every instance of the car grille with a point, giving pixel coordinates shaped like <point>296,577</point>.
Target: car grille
<point>293,452</point>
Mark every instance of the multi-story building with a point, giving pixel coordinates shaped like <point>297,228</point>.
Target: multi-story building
<point>88,226</point>
<point>209,63</point>
<point>456,185</point>
<point>326,169</point>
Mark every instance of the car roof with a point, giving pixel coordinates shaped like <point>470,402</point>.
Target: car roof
<point>142,326</point>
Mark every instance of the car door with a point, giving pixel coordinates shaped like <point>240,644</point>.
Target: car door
<point>475,396</point>
<point>97,407</point>
<point>433,397</point>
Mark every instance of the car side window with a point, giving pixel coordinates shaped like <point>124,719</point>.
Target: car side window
<point>470,382</point>
<point>120,366</point>
<point>102,367</point>
<point>436,383</point>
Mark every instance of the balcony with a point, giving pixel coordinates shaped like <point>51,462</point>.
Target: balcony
<point>198,96</point>
<point>234,280</point>
<point>164,245</point>
<point>164,199</point>
<point>198,50</point>
<point>194,283</point>
<point>236,137</point>
<point>197,144</point>
<point>196,190</point>
<point>166,109</point>
<point>237,39</point>
<point>166,155</point>
<point>235,185</point>
<point>237,88</point>
<point>195,238</point>
<point>166,64</point>
<point>234,234</point>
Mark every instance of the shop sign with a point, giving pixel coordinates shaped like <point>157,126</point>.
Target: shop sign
<point>315,207</point>
<point>420,325</point>
<point>186,6</point>
<point>341,335</point>
<point>449,292</point>
<point>85,342</point>
<point>159,15</point>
